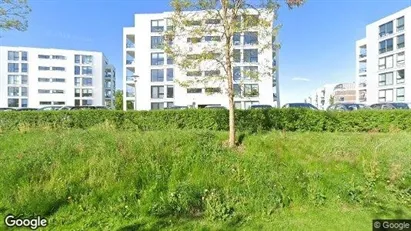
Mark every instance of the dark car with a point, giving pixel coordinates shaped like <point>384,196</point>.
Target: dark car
<point>347,107</point>
<point>300,105</point>
<point>177,107</point>
<point>26,109</point>
<point>89,108</point>
<point>260,106</point>
<point>50,108</point>
<point>388,106</point>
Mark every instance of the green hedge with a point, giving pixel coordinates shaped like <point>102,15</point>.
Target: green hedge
<point>246,120</point>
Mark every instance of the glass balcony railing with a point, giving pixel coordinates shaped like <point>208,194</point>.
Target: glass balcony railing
<point>128,62</point>
<point>362,70</point>
<point>130,94</point>
<point>363,55</point>
<point>130,45</point>
<point>130,79</point>
<point>362,84</point>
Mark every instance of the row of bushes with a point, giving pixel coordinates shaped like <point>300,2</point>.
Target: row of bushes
<point>246,120</point>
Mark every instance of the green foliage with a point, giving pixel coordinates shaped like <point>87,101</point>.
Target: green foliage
<point>13,15</point>
<point>119,101</point>
<point>217,120</point>
<point>104,179</point>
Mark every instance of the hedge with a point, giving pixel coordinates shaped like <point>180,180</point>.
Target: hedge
<point>246,120</point>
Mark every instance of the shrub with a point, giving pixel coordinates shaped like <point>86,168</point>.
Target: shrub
<point>217,120</point>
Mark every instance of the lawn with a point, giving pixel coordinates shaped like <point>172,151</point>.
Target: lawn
<point>105,179</point>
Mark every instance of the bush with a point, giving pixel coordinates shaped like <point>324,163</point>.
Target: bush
<point>217,120</point>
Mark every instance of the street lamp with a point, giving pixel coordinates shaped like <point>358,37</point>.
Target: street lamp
<point>135,78</point>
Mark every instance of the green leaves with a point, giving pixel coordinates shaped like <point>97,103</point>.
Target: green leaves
<point>13,15</point>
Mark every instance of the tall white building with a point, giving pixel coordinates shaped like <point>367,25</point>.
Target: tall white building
<point>381,60</point>
<point>37,77</point>
<point>156,86</point>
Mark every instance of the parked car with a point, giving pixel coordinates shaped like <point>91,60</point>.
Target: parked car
<point>7,109</point>
<point>50,108</point>
<point>26,109</point>
<point>347,107</point>
<point>89,108</point>
<point>300,105</point>
<point>65,108</point>
<point>388,106</point>
<point>177,107</point>
<point>215,107</point>
<point>260,106</point>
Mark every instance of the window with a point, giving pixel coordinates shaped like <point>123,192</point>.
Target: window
<point>157,42</point>
<point>250,72</point>
<point>24,67</point>
<point>400,94</point>
<point>385,79</point>
<point>45,102</point>
<point>23,56</point>
<point>43,91</point>
<point>13,67</point>
<point>251,90</point>
<point>57,91</point>
<point>43,56</point>
<point>212,73</point>
<point>250,38</point>
<point>386,62</point>
<point>157,25</point>
<point>13,55</point>
<point>212,38</point>
<point>193,73</point>
<point>87,59</point>
<point>59,103</point>
<point>170,74</point>
<point>13,102</point>
<point>193,40</point>
<point>77,93</point>
<point>24,79</point>
<point>237,89</point>
<point>87,92</point>
<point>157,106</point>
<point>193,23</point>
<point>400,42</point>
<point>157,92</point>
<point>386,29</point>
<point>24,102</point>
<point>237,38</point>
<point>13,79</point>
<point>42,80</point>
<point>250,20</point>
<point>86,70</point>
<point>170,104</point>
<point>59,57</point>
<point>213,21</point>
<point>170,91</point>
<point>237,55</point>
<point>251,55</point>
<point>87,82</point>
<point>194,90</point>
<point>157,59</point>
<point>87,102</point>
<point>400,59</point>
<point>77,70</point>
<point>385,95</point>
<point>77,59</point>
<point>247,104</point>
<point>13,91</point>
<point>24,91</point>
<point>400,24</point>
<point>157,75</point>
<point>58,68</point>
<point>400,76</point>
<point>58,80</point>
<point>170,60</point>
<point>237,105</point>
<point>42,68</point>
<point>236,73</point>
<point>386,46</point>
<point>213,90</point>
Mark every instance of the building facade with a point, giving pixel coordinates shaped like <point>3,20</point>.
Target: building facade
<point>329,94</point>
<point>381,60</point>
<point>156,86</point>
<point>38,77</point>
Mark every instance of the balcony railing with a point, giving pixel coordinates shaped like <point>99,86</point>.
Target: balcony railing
<point>130,78</point>
<point>362,70</point>
<point>363,55</point>
<point>128,62</point>
<point>362,99</point>
<point>130,45</point>
<point>130,94</point>
<point>362,84</point>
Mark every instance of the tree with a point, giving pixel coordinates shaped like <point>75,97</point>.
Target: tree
<point>13,14</point>
<point>118,101</point>
<point>220,23</point>
<point>332,99</point>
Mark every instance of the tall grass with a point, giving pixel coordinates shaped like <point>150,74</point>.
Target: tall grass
<point>104,179</point>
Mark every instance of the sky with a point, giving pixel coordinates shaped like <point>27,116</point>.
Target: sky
<point>317,39</point>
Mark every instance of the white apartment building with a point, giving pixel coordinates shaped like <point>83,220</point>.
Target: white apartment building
<point>38,77</point>
<point>381,60</point>
<point>156,86</point>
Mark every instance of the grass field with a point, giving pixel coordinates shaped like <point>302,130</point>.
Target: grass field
<point>103,179</point>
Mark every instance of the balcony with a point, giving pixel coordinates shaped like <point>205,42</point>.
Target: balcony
<point>130,94</point>
<point>363,55</point>
<point>363,69</point>
<point>129,78</point>
<point>129,62</point>
<point>362,84</point>
<point>130,45</point>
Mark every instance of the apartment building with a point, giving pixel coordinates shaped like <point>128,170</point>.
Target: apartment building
<point>329,94</point>
<point>38,77</point>
<point>156,73</point>
<point>381,60</point>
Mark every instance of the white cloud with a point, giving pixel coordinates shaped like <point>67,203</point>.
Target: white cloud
<point>300,79</point>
